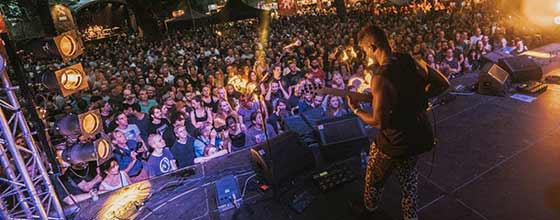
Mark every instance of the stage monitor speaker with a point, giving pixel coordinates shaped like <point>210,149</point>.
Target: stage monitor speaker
<point>495,57</point>
<point>289,157</point>
<point>313,116</point>
<point>493,80</point>
<point>521,68</point>
<point>341,138</point>
<point>296,124</point>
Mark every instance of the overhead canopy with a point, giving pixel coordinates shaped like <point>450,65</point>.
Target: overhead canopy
<point>189,16</point>
<point>236,10</point>
<point>85,3</point>
<point>233,10</point>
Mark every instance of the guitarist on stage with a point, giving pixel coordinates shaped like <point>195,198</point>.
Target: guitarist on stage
<point>400,91</point>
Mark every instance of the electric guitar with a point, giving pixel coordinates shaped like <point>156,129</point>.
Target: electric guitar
<point>321,90</point>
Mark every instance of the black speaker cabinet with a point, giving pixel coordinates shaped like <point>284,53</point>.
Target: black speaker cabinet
<point>341,138</point>
<point>521,68</point>
<point>495,57</point>
<point>283,159</point>
<point>493,80</point>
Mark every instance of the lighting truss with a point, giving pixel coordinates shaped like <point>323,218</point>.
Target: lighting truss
<point>26,191</point>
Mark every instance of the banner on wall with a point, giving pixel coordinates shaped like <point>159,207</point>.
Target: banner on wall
<point>62,19</point>
<point>287,7</point>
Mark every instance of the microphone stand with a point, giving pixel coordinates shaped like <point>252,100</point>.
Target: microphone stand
<point>268,147</point>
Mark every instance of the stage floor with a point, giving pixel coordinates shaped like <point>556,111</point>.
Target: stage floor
<point>497,159</point>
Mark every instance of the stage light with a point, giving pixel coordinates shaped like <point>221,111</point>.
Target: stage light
<point>177,13</point>
<point>87,124</point>
<point>557,20</point>
<point>67,81</point>
<point>90,123</point>
<point>100,151</point>
<point>69,45</point>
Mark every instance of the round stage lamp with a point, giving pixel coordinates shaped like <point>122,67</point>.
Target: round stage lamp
<point>103,149</point>
<point>87,124</point>
<point>557,20</point>
<point>68,46</point>
<point>71,79</point>
<point>90,123</point>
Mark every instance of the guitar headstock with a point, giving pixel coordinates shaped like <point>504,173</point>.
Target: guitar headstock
<point>312,88</point>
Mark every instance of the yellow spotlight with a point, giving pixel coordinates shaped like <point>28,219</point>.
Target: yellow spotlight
<point>71,79</point>
<point>90,123</point>
<point>69,45</point>
<point>103,148</point>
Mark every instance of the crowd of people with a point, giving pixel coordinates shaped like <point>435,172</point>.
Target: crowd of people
<point>205,92</point>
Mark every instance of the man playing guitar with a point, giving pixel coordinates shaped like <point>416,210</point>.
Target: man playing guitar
<point>400,93</point>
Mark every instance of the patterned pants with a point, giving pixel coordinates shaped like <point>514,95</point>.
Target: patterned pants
<point>379,168</point>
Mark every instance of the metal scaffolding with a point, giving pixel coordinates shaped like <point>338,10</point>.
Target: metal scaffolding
<point>25,187</point>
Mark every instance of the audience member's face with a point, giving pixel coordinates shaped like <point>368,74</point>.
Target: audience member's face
<point>277,72</point>
<point>274,87</point>
<point>119,138</point>
<point>122,120</point>
<point>195,104</point>
<point>318,100</point>
<point>181,132</point>
<point>205,91</point>
<point>156,142</point>
<point>258,120</point>
<point>224,106</point>
<point>281,106</point>
<point>333,102</point>
<point>114,168</point>
<point>143,95</point>
<point>151,92</point>
<point>157,114</point>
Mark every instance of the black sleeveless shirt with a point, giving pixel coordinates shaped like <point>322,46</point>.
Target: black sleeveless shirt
<point>409,131</point>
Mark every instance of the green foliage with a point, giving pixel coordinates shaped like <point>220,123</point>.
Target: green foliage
<point>11,9</point>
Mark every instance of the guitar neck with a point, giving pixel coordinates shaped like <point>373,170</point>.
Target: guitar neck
<point>360,97</point>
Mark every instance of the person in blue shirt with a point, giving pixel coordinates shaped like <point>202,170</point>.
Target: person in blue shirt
<point>126,154</point>
<point>161,161</point>
<point>207,144</point>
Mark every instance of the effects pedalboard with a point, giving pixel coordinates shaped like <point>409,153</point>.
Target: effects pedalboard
<point>334,176</point>
<point>532,88</point>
